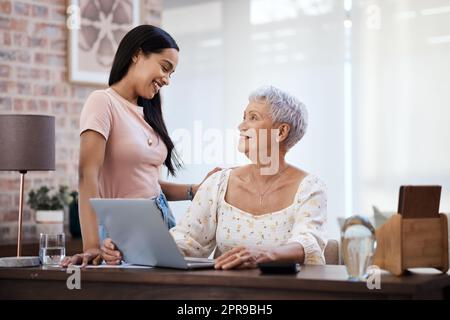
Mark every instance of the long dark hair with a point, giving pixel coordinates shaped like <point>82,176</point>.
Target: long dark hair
<point>149,39</point>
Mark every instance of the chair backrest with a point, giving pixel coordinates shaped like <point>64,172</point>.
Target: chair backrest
<point>331,252</point>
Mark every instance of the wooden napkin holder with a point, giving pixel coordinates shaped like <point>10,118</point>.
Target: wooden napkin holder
<point>416,237</point>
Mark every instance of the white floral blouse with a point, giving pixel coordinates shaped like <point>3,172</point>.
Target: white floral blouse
<point>211,222</point>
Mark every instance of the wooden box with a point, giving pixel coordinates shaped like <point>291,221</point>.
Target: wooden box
<point>412,243</point>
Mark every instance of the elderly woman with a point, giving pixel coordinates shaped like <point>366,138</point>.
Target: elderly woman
<point>261,212</point>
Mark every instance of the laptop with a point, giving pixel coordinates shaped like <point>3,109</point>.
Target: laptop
<point>139,231</point>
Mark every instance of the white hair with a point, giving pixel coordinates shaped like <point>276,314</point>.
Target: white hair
<point>284,108</point>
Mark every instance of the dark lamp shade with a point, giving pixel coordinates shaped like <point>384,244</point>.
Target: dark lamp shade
<point>27,142</point>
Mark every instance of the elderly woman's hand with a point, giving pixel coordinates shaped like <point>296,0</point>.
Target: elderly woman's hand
<point>110,252</point>
<point>243,258</point>
<point>89,256</point>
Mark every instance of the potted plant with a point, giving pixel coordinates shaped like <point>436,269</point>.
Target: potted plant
<point>49,208</point>
<point>74,220</point>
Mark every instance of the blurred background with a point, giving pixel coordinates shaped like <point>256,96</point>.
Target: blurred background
<point>373,74</point>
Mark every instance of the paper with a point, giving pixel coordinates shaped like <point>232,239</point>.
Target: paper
<point>119,266</point>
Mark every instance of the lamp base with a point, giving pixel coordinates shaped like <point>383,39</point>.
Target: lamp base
<point>19,262</point>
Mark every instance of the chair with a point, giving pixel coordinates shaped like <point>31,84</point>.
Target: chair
<point>331,252</point>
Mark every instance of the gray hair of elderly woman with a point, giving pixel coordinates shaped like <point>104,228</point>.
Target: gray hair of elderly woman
<point>284,108</point>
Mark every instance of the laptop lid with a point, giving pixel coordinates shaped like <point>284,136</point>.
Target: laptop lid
<point>138,229</point>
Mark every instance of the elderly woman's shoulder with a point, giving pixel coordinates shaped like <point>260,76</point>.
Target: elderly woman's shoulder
<point>239,171</point>
<point>313,183</point>
<point>306,180</point>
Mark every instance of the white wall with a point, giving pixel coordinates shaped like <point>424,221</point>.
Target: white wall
<point>401,62</point>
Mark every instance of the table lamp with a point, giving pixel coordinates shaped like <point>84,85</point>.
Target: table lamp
<point>27,143</point>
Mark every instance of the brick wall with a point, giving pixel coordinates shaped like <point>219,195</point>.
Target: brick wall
<point>33,79</point>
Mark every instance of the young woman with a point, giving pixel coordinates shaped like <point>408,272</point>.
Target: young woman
<point>123,138</point>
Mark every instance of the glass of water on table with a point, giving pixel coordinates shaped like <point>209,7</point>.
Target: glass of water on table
<point>52,249</point>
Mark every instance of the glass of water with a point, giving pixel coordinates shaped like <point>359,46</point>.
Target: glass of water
<point>52,249</point>
<point>358,246</point>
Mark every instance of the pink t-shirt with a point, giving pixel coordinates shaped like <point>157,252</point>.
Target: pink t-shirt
<point>134,151</point>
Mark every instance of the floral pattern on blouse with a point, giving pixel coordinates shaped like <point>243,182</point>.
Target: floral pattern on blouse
<point>211,223</point>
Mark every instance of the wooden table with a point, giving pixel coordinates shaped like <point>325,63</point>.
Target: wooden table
<point>313,282</point>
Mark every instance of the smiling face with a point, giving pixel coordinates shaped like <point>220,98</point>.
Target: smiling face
<point>152,71</point>
<point>257,122</point>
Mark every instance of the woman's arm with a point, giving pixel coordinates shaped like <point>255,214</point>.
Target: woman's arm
<point>92,153</point>
<point>177,191</point>
<point>249,257</point>
<point>309,227</point>
<point>195,233</point>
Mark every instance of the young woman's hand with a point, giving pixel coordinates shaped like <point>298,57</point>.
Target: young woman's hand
<point>110,253</point>
<point>196,186</point>
<point>89,256</point>
<point>243,258</point>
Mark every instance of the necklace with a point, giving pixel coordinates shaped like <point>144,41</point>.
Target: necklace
<point>147,135</point>
<point>261,194</point>
<point>149,139</point>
